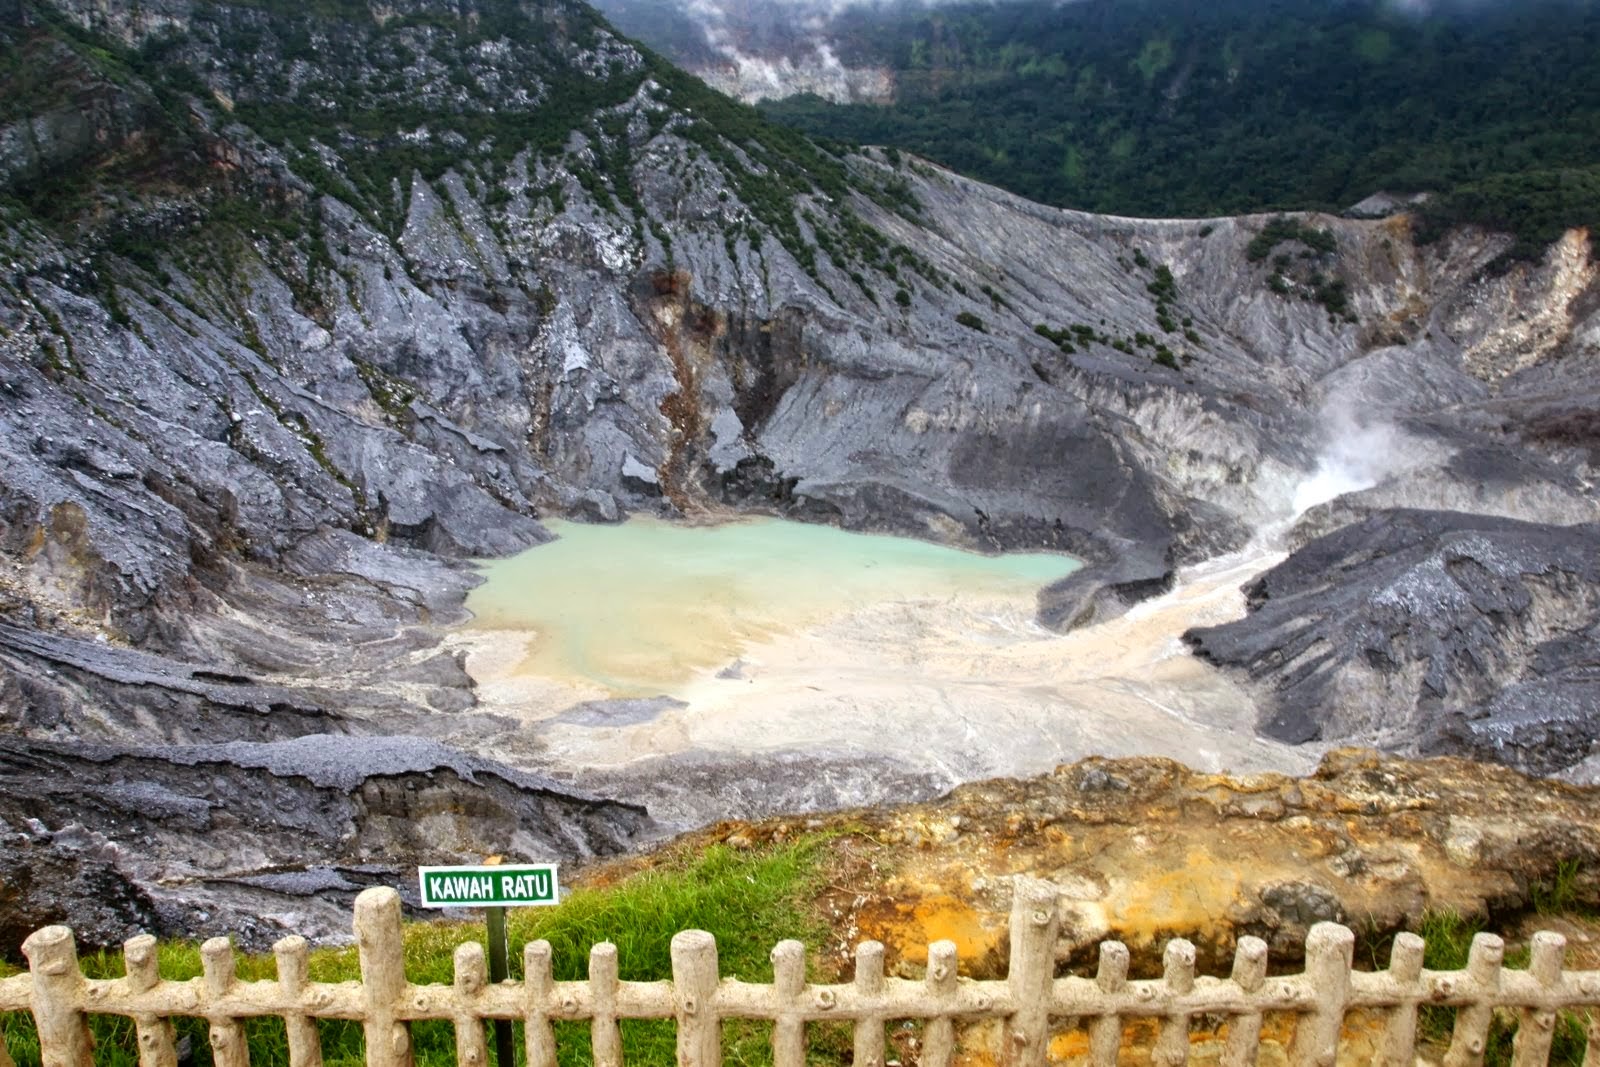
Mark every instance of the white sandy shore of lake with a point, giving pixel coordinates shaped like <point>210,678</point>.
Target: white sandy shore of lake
<point>962,687</point>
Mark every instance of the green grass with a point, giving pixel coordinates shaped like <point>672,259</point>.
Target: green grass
<point>1561,893</point>
<point>749,900</point>
<point>1448,937</point>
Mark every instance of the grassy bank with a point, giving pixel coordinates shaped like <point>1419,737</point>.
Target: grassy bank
<point>1448,936</point>
<point>1449,940</point>
<point>749,900</point>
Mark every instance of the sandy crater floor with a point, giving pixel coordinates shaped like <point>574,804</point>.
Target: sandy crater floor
<point>960,684</point>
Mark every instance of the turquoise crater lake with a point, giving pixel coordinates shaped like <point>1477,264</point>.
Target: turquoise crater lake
<point>646,606</point>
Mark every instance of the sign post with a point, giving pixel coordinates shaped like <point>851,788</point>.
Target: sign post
<point>499,949</point>
<point>493,887</point>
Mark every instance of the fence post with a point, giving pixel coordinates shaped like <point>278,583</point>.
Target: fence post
<point>1470,1037</point>
<point>869,984</point>
<point>1105,1033</point>
<point>939,1034</point>
<point>605,1039</point>
<point>1330,955</point>
<point>228,1046</point>
<point>1537,1026</point>
<point>471,975</point>
<point>694,986</point>
<point>380,947</point>
<point>1177,980</point>
<point>1400,1030</point>
<point>157,1047</point>
<point>1244,1030</point>
<point>538,985</point>
<point>1035,925</point>
<point>788,983</point>
<point>294,968</point>
<point>64,1039</point>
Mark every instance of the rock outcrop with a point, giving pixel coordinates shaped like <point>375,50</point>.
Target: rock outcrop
<point>1143,850</point>
<point>259,840</point>
<point>755,53</point>
<point>620,323</point>
<point>1432,632</point>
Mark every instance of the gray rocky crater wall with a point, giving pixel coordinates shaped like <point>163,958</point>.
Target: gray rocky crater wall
<point>234,503</point>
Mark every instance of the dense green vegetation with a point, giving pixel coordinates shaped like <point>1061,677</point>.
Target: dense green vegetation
<point>1536,205</point>
<point>1150,107</point>
<point>51,64</point>
<point>749,900</point>
<point>1282,229</point>
<point>376,104</point>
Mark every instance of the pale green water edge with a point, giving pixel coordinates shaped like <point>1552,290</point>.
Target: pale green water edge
<point>643,606</point>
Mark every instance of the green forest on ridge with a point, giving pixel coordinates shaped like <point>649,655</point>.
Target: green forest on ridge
<point>1148,107</point>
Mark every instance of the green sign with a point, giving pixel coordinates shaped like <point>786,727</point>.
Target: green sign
<point>488,887</point>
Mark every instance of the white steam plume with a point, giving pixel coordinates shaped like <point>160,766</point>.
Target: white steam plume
<point>1356,455</point>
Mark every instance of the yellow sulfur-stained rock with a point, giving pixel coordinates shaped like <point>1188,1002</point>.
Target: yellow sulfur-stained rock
<point>1143,850</point>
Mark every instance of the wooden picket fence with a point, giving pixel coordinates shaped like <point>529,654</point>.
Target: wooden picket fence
<point>1030,1003</point>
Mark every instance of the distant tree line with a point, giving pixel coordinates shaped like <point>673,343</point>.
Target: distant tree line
<point>1149,107</point>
